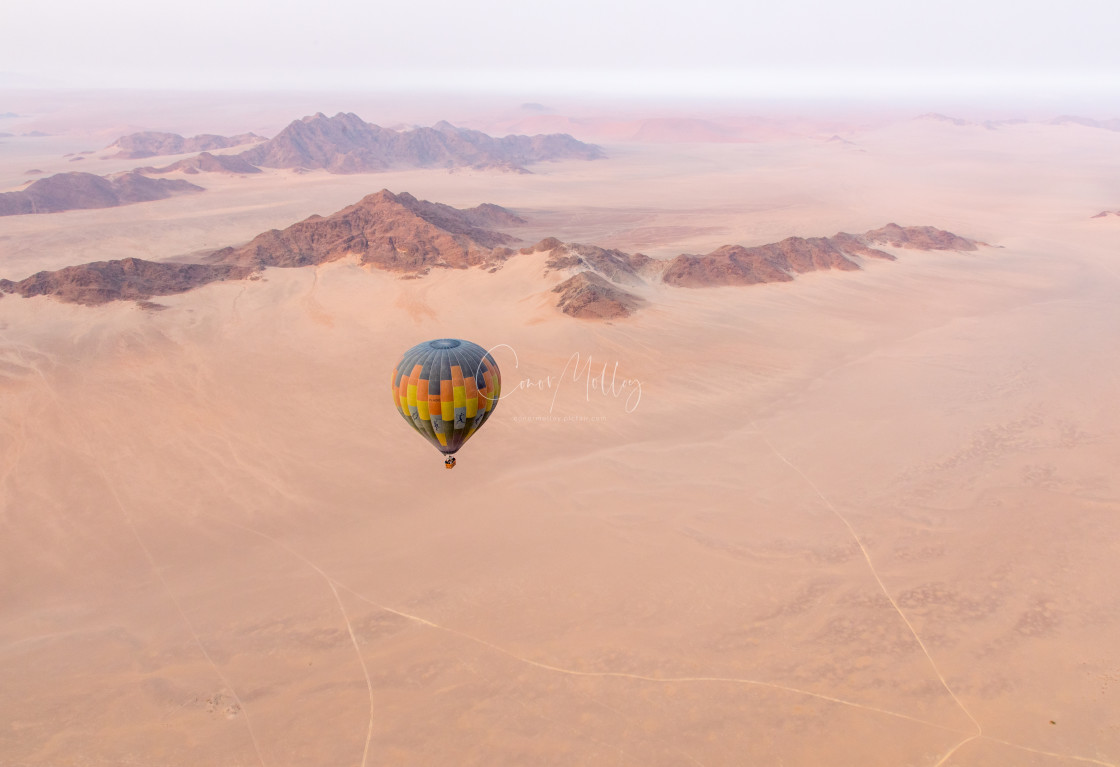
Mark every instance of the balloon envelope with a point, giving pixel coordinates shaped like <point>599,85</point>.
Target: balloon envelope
<point>446,389</point>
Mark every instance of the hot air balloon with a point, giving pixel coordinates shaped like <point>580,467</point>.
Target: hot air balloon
<point>446,389</point>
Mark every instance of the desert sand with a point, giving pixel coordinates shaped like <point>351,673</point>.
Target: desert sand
<point>860,518</point>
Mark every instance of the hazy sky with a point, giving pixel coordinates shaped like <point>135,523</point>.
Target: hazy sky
<point>811,47</point>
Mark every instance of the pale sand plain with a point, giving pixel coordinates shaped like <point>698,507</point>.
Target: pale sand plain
<point>865,518</point>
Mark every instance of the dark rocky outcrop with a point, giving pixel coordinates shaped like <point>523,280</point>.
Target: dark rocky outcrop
<point>588,295</point>
<point>780,261</point>
<point>616,266</point>
<point>917,238</point>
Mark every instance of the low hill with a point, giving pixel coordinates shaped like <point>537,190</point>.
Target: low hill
<point>780,261</point>
<point>73,191</point>
<point>131,279</point>
<point>206,162</point>
<point>154,143</point>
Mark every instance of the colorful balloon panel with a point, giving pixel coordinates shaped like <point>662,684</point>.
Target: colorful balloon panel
<point>446,389</point>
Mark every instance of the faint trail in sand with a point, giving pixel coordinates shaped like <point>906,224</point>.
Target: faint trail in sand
<point>641,677</point>
<point>1070,757</point>
<point>311,305</point>
<point>955,748</point>
<point>571,672</point>
<point>883,588</point>
<point>361,660</point>
<point>336,584</point>
<point>875,573</point>
<point>93,457</point>
<point>262,476</point>
<point>234,313</point>
<point>182,613</point>
<point>1086,759</point>
<point>333,584</point>
<point>12,455</point>
<point>979,734</point>
<point>574,672</point>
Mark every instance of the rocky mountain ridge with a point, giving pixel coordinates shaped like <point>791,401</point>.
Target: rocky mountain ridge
<point>410,237</point>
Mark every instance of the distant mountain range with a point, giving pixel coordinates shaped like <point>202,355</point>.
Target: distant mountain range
<point>989,124</point>
<point>659,130</point>
<point>70,191</point>
<point>136,146</point>
<point>341,144</point>
<point>206,163</point>
<point>347,144</point>
<point>399,233</point>
<point>1112,125</point>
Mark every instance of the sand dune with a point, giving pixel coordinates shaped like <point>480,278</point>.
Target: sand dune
<point>858,519</point>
